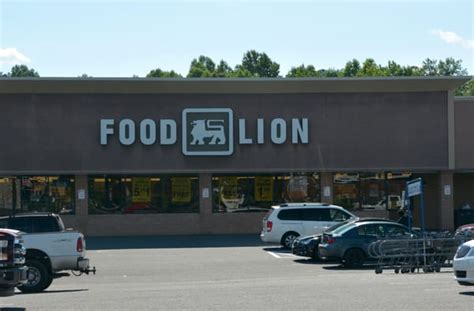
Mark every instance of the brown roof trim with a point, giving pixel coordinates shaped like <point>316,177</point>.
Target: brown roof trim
<point>227,85</point>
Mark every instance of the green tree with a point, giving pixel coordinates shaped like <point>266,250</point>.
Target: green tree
<point>411,71</point>
<point>240,72</point>
<point>451,67</point>
<point>203,66</point>
<point>329,73</point>
<point>371,69</point>
<point>430,67</point>
<point>352,68</point>
<point>302,71</point>
<point>223,70</point>
<point>393,69</point>
<point>467,89</point>
<point>158,73</point>
<point>22,71</point>
<point>259,65</point>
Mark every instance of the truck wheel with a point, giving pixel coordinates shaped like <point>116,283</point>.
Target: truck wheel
<point>7,292</point>
<point>38,277</point>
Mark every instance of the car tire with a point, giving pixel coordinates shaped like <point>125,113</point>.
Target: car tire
<point>354,258</point>
<point>7,292</point>
<point>315,254</point>
<point>38,277</point>
<point>288,238</point>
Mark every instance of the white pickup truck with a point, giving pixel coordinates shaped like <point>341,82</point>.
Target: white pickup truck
<point>50,249</point>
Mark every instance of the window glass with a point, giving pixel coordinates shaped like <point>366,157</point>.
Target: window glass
<point>374,230</point>
<point>22,224</point>
<point>337,215</point>
<point>116,194</point>
<point>370,191</point>
<point>396,182</point>
<point>53,194</point>
<point>315,214</point>
<point>44,224</point>
<point>396,231</point>
<point>6,196</point>
<point>258,192</point>
<point>344,228</point>
<point>4,223</point>
<point>290,214</point>
<point>346,191</point>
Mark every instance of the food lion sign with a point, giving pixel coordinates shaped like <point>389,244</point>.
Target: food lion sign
<point>205,131</point>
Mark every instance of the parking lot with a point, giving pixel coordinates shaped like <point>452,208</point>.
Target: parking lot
<point>233,273</point>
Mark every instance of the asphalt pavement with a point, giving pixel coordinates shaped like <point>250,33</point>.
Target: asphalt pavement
<point>233,273</point>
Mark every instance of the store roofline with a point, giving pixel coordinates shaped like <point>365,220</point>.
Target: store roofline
<point>227,85</point>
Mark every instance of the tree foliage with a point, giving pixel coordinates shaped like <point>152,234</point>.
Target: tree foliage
<point>22,71</point>
<point>158,73</point>
<point>260,65</point>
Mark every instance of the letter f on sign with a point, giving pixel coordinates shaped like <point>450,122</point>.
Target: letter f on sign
<point>106,128</point>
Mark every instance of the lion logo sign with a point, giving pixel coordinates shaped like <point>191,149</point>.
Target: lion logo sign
<point>208,129</point>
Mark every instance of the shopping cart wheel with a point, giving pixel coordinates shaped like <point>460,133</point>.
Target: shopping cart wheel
<point>405,270</point>
<point>396,271</point>
<point>427,269</point>
<point>378,270</point>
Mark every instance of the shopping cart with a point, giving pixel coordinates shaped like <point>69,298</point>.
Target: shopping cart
<point>405,254</point>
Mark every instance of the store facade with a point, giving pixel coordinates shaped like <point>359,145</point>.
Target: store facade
<point>199,156</point>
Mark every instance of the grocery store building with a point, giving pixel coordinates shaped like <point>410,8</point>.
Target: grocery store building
<point>206,156</point>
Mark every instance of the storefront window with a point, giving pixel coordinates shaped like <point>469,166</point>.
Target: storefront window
<point>258,192</point>
<point>47,194</point>
<point>346,190</point>
<point>113,194</point>
<point>370,191</point>
<point>6,196</point>
<point>396,182</point>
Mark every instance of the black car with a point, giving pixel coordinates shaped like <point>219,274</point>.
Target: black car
<point>349,244</point>
<point>307,246</point>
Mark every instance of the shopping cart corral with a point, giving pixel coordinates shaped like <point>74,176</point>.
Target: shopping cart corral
<point>428,254</point>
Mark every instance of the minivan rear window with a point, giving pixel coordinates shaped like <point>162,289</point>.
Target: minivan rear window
<point>290,214</point>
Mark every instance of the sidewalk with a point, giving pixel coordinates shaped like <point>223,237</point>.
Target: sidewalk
<point>174,241</point>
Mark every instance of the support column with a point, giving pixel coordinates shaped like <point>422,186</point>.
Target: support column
<point>327,187</point>
<point>205,193</point>
<point>81,195</point>
<point>446,200</point>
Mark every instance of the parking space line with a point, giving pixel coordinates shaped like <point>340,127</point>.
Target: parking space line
<point>282,255</point>
<point>274,255</point>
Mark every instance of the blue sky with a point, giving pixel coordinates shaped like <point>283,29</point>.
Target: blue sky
<point>106,38</point>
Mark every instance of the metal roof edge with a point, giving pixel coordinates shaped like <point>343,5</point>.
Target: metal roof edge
<point>227,85</point>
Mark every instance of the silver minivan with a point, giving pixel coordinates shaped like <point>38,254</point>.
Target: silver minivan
<point>285,222</point>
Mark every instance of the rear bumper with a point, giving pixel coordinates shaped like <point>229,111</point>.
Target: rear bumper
<point>83,266</point>
<point>267,237</point>
<point>327,252</point>
<point>12,277</point>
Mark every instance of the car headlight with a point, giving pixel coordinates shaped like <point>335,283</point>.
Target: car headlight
<point>464,251</point>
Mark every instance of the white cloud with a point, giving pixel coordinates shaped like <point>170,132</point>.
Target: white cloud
<point>453,38</point>
<point>12,56</point>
